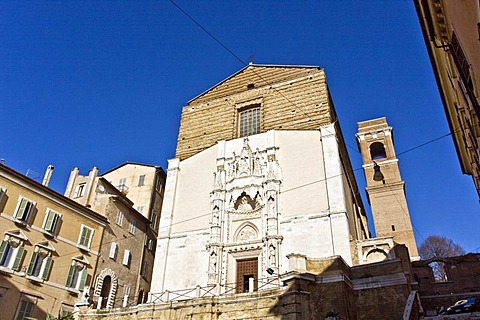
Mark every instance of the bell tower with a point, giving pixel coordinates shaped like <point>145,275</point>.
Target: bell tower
<point>385,187</point>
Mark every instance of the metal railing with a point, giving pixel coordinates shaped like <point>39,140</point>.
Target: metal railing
<point>213,290</point>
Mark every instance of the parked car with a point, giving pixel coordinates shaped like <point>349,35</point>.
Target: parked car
<point>464,306</point>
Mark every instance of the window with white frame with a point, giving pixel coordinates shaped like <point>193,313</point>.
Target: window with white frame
<point>122,184</point>
<point>41,261</point>
<point>85,237</point>
<point>154,220</point>
<point>127,256</point>
<point>141,180</point>
<point>51,222</point>
<point>77,274</point>
<point>25,307</point>
<point>249,121</point>
<point>159,185</point>
<point>119,218</point>
<point>140,209</point>
<point>113,250</point>
<point>12,251</point>
<point>24,209</point>
<point>79,190</point>
<point>131,227</point>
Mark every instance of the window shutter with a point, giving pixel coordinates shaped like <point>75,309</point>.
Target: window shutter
<point>113,250</point>
<point>83,279</point>
<point>18,259</point>
<point>3,245</point>
<point>48,266</point>
<point>31,265</point>
<point>71,275</point>
<point>20,214</point>
<point>126,258</point>
<point>49,224</point>
<point>2,193</point>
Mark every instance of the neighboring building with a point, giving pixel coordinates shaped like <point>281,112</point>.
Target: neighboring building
<point>123,276</point>
<point>143,184</point>
<point>385,192</point>
<point>261,171</point>
<point>48,251</point>
<point>451,29</point>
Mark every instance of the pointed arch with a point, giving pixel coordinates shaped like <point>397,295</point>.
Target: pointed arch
<point>246,231</point>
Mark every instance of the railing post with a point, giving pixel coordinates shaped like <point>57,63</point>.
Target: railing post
<point>251,282</point>
<point>217,289</point>
<point>149,295</point>
<point>166,295</point>
<point>125,301</point>
<point>197,291</point>
<point>99,303</point>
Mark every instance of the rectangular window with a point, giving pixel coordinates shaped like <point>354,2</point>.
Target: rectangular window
<point>141,180</point>
<point>77,277</point>
<point>120,218</point>
<point>131,227</point>
<point>24,210</point>
<point>159,185</point>
<point>143,271</point>
<point>79,190</point>
<point>126,258</point>
<point>51,222</point>
<point>113,250</point>
<point>140,209</point>
<point>3,191</point>
<point>122,184</point>
<point>85,237</point>
<point>126,290</point>
<point>11,255</point>
<point>24,309</point>
<point>249,120</point>
<point>461,62</point>
<point>40,265</point>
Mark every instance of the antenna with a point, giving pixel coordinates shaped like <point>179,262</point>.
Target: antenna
<point>32,174</point>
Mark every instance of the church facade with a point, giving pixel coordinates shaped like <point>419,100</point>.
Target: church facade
<point>261,175</point>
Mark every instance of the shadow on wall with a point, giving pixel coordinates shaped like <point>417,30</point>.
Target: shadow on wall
<point>330,289</point>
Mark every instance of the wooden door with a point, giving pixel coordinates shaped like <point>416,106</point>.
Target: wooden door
<point>246,269</point>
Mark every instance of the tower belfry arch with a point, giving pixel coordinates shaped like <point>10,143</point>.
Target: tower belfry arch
<point>386,194</point>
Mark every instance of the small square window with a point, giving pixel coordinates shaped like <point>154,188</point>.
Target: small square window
<point>79,190</point>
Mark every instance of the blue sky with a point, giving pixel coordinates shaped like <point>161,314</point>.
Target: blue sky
<point>98,83</point>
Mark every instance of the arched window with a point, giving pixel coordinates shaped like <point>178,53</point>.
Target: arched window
<point>439,271</point>
<point>377,151</point>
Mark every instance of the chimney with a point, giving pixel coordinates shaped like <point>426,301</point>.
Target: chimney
<point>48,175</point>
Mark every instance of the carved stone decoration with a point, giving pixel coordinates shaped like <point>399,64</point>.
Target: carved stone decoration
<point>213,262</point>
<point>247,233</point>
<point>113,286</point>
<point>272,254</point>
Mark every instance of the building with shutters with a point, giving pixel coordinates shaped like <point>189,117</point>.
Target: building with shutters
<point>451,30</point>
<point>48,251</point>
<point>132,205</point>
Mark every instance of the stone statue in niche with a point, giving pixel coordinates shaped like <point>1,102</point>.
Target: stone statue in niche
<point>247,233</point>
<point>215,217</point>
<point>213,262</point>
<point>272,255</point>
<point>271,206</point>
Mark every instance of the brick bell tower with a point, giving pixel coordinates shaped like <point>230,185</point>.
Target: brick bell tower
<point>385,187</point>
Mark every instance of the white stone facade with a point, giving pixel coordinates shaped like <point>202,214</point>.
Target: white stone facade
<point>261,197</point>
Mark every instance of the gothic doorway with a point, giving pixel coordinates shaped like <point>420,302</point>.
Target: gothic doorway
<point>247,269</point>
